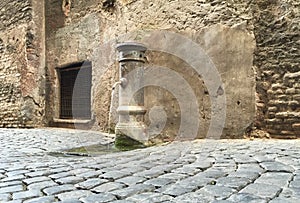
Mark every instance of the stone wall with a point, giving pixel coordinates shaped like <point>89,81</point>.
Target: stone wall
<point>277,33</point>
<point>21,63</point>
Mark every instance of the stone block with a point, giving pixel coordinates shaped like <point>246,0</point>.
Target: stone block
<point>296,126</point>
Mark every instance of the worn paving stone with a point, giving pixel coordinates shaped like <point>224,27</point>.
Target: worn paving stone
<point>69,180</point>
<point>246,198</point>
<point>174,176</point>
<point>58,189</point>
<point>15,201</point>
<point>245,174</point>
<point>199,197</point>
<point>46,199</point>
<point>132,190</point>
<point>17,172</point>
<point>218,192</point>
<point>76,194</point>
<point>4,197</point>
<point>38,173</point>
<point>90,174</point>
<point>98,198</point>
<point>114,175</point>
<point>11,183</point>
<point>284,200</point>
<point>13,178</point>
<point>275,178</point>
<point>10,189</point>
<point>150,197</point>
<point>107,187</point>
<point>277,167</point>
<point>36,179</point>
<point>262,190</point>
<point>27,194</point>
<point>41,185</point>
<point>159,182</point>
<point>60,175</point>
<point>233,182</point>
<point>131,180</point>
<point>91,183</point>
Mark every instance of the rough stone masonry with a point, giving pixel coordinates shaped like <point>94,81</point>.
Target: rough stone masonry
<point>253,44</point>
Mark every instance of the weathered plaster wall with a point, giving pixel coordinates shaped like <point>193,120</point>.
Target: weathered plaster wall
<point>90,30</point>
<point>253,44</point>
<point>21,63</point>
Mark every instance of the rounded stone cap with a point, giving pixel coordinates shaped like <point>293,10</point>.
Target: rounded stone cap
<point>131,46</point>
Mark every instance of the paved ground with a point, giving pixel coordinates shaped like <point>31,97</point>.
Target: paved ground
<point>200,171</point>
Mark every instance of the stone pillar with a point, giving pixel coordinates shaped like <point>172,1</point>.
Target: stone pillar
<point>131,104</point>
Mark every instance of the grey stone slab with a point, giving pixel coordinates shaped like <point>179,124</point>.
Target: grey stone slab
<point>11,189</point>
<point>160,182</point>
<point>11,183</point>
<point>36,179</point>
<point>45,199</point>
<point>99,198</point>
<point>262,190</point>
<point>132,190</point>
<point>27,194</point>
<point>150,197</point>
<point>218,192</point>
<point>60,175</point>
<point>245,174</point>
<point>79,171</point>
<point>290,192</point>
<point>284,200</point>
<point>176,190</point>
<point>107,187</point>
<point>246,198</point>
<point>213,173</point>
<point>275,178</point>
<point>123,201</point>
<point>295,183</point>
<point>4,197</point>
<point>38,173</point>
<point>76,194</point>
<point>13,178</point>
<point>58,189</point>
<point>277,167</point>
<point>263,158</point>
<point>174,176</point>
<point>70,201</point>
<point>14,201</point>
<point>250,167</point>
<point>194,197</point>
<point>114,175</point>
<point>131,180</point>
<point>150,173</point>
<point>90,174</point>
<point>17,172</point>
<point>241,158</point>
<point>233,182</point>
<point>189,170</point>
<point>69,180</point>
<point>91,183</point>
<point>41,185</point>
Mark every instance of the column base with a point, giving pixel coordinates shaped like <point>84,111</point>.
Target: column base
<point>133,130</point>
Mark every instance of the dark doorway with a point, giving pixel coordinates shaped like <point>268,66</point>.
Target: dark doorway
<point>75,91</point>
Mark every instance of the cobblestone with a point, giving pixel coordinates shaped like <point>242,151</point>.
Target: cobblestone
<point>200,171</point>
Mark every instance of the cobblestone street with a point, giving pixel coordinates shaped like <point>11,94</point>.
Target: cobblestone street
<point>199,171</point>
